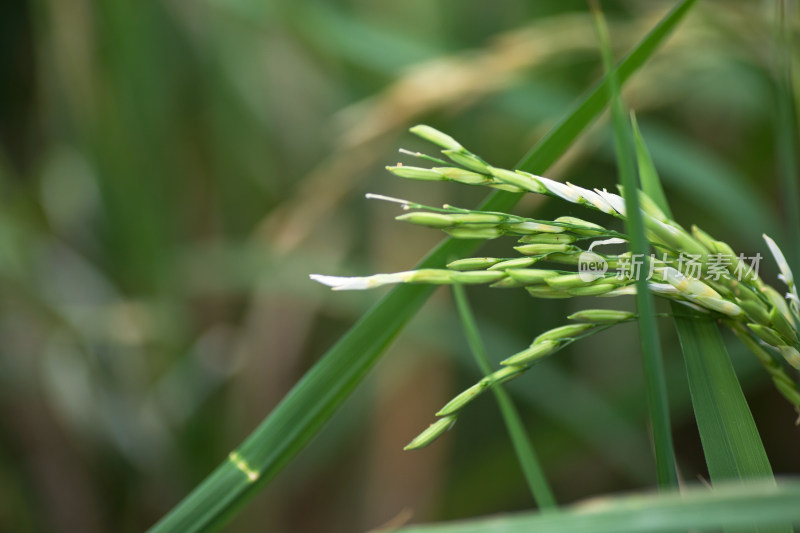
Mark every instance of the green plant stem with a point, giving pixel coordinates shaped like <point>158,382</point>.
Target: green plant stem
<point>652,360</point>
<point>526,455</point>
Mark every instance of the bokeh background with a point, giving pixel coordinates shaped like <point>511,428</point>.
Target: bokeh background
<point>172,171</point>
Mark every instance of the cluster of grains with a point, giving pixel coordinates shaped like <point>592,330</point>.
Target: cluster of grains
<point>721,282</point>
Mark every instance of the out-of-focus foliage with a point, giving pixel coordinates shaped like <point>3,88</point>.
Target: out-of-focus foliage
<point>170,172</point>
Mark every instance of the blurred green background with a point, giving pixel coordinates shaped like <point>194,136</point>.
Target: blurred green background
<point>171,172</point>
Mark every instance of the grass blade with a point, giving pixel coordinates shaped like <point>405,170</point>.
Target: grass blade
<point>313,400</point>
<point>652,360</point>
<point>648,176</point>
<point>562,135</point>
<point>731,443</point>
<point>651,183</point>
<point>528,460</point>
<point>760,504</point>
<point>309,404</point>
<point>697,173</point>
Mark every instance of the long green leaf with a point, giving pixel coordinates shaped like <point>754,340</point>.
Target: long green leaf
<point>730,439</point>
<point>652,360</point>
<point>526,455</point>
<point>698,174</point>
<point>313,400</point>
<point>752,504</point>
<point>731,443</point>
<point>648,177</point>
<point>568,129</point>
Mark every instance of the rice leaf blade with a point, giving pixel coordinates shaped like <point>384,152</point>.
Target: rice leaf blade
<point>731,443</point>
<point>730,439</point>
<point>652,360</point>
<point>561,136</point>
<point>648,176</point>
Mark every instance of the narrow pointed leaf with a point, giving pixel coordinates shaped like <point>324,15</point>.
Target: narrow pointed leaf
<point>652,360</point>
<point>730,439</point>
<point>731,443</point>
<point>526,454</point>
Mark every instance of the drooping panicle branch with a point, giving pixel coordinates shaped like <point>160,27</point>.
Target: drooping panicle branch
<point>689,267</point>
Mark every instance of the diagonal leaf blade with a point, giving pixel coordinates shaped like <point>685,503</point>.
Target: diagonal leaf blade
<point>730,439</point>
<point>526,454</point>
<point>652,361</point>
<point>731,443</point>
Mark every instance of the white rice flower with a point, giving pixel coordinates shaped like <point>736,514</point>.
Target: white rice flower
<point>783,265</point>
<point>562,190</point>
<point>345,283</point>
<point>595,199</point>
<point>606,242</point>
<point>614,200</point>
<point>663,288</point>
<point>371,196</point>
<point>786,276</point>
